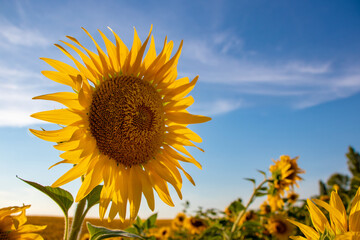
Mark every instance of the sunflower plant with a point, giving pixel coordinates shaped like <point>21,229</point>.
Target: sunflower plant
<point>123,128</point>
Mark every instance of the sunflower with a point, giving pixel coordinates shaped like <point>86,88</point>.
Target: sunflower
<point>13,226</point>
<point>195,225</point>
<point>275,202</point>
<point>125,123</point>
<point>265,208</point>
<point>163,233</point>
<point>340,226</point>
<point>178,221</point>
<point>285,173</point>
<point>279,227</point>
<point>292,197</point>
<point>248,216</point>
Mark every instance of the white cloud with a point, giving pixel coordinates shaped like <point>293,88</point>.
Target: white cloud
<point>11,35</point>
<point>302,83</point>
<point>17,88</point>
<point>217,107</point>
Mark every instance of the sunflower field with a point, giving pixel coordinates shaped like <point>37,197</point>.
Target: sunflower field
<point>124,130</point>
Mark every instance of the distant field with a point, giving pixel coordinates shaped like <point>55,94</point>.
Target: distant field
<point>55,225</point>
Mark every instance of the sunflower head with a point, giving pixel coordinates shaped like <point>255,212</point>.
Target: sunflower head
<point>248,216</point>
<point>178,221</point>
<point>275,202</point>
<point>265,208</point>
<point>12,224</point>
<point>292,197</point>
<point>125,121</point>
<point>279,227</point>
<point>195,225</point>
<point>285,173</point>
<point>163,233</point>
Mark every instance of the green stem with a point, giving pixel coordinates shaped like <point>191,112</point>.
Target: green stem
<point>66,231</point>
<point>78,220</point>
<point>241,213</point>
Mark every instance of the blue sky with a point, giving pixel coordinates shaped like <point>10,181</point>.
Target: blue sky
<point>276,77</point>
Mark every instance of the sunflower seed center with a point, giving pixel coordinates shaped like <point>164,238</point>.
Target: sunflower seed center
<point>127,120</point>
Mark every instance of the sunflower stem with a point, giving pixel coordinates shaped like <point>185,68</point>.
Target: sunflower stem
<point>78,220</point>
<point>66,230</point>
<point>241,213</point>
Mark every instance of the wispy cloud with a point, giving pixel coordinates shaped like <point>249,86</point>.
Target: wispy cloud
<point>217,107</point>
<point>17,87</point>
<point>12,35</point>
<point>303,83</point>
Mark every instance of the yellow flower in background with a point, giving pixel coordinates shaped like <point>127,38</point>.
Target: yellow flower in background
<point>195,225</point>
<point>178,221</point>
<point>292,197</point>
<point>125,123</point>
<point>339,226</point>
<point>163,233</point>
<point>265,208</point>
<point>248,216</point>
<point>13,227</point>
<point>279,227</point>
<point>285,173</point>
<point>275,202</point>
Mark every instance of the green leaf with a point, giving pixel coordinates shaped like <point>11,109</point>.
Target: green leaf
<point>93,197</point>
<point>262,172</point>
<point>99,233</point>
<point>251,180</point>
<point>62,197</point>
<point>150,222</point>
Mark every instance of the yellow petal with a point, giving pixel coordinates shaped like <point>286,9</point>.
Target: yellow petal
<point>179,105</point>
<point>93,56</point>
<point>30,228</point>
<point>185,132</point>
<point>105,63</point>
<point>354,222</point>
<point>178,156</point>
<point>186,118</point>
<point>63,134</point>
<point>150,55</point>
<point>135,190</point>
<point>83,70</point>
<point>90,182</point>
<point>90,65</point>
<point>61,67</point>
<point>309,232</point>
<point>121,50</point>
<point>59,77</point>
<point>111,50</point>
<point>59,116</point>
<point>318,219</point>
<point>147,190</point>
<point>68,99</point>
<point>74,173</point>
<point>161,188</point>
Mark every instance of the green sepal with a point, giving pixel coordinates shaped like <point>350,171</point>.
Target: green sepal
<point>99,233</point>
<point>62,197</point>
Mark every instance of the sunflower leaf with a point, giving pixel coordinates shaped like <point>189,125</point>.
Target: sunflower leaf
<point>93,197</point>
<point>150,222</point>
<point>62,197</point>
<point>99,233</point>
<point>251,180</point>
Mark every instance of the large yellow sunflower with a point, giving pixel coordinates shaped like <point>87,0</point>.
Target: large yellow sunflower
<point>13,227</point>
<point>339,227</point>
<point>125,123</point>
